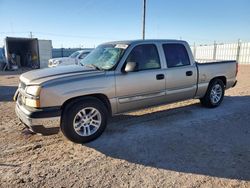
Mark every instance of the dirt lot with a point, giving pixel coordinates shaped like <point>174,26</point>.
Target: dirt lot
<point>177,145</point>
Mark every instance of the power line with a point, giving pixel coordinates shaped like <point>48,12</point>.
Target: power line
<point>11,32</point>
<point>71,36</point>
<point>57,35</point>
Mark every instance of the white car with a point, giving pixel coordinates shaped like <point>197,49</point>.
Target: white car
<point>73,59</point>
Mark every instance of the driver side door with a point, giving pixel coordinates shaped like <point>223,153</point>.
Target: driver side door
<point>146,85</point>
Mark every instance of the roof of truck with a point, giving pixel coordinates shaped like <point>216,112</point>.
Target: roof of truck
<point>85,50</point>
<point>144,41</point>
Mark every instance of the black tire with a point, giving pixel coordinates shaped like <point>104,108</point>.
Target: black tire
<point>71,111</point>
<point>207,99</point>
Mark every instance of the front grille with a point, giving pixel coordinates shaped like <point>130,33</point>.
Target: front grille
<point>22,85</point>
<point>20,99</point>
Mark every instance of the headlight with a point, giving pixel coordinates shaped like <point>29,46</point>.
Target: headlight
<point>32,102</point>
<point>33,90</point>
<point>57,62</point>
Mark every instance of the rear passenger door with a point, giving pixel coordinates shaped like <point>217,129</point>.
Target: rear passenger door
<point>181,74</point>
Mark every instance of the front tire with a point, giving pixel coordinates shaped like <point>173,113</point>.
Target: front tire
<point>214,95</point>
<point>84,120</point>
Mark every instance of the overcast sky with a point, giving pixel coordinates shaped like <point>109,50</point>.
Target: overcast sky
<point>87,23</point>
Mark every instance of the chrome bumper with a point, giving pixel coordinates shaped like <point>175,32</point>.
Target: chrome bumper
<point>29,122</point>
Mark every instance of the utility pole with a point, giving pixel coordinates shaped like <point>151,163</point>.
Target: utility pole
<point>31,36</point>
<point>143,19</point>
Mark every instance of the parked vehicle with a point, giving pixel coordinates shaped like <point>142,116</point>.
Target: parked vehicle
<point>73,59</point>
<point>118,77</point>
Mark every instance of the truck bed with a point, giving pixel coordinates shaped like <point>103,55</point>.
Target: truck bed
<point>207,71</point>
<point>215,62</point>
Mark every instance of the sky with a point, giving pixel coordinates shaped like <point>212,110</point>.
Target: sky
<point>87,23</point>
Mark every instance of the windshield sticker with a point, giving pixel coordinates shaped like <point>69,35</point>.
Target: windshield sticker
<point>122,46</point>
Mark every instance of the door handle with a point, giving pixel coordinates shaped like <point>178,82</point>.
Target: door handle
<point>189,73</point>
<point>160,76</point>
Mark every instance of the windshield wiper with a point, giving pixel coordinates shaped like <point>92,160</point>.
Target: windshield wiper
<point>94,66</point>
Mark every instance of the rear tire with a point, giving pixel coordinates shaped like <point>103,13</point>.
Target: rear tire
<point>214,95</point>
<point>84,120</point>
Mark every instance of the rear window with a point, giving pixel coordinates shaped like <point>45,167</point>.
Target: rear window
<point>176,55</point>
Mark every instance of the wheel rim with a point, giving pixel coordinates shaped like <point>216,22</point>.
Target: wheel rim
<point>216,93</point>
<point>87,121</point>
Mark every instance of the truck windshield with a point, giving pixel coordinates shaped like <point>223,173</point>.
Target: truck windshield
<point>104,57</point>
<point>75,54</point>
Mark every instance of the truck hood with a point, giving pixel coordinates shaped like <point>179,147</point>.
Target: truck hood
<point>37,77</point>
<point>64,60</point>
<point>61,59</point>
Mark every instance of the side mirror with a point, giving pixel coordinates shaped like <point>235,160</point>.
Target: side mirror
<point>130,67</point>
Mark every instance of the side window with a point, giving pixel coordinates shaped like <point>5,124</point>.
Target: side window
<point>146,56</point>
<point>176,55</point>
<point>83,55</point>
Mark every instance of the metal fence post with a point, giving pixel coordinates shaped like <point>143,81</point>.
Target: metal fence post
<point>238,51</point>
<point>215,50</point>
<point>61,52</point>
<point>194,51</point>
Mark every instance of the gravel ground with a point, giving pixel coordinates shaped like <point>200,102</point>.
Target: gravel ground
<point>176,145</point>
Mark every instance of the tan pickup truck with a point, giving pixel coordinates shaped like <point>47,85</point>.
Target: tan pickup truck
<point>117,77</point>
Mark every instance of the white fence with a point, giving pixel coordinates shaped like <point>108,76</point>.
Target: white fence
<point>234,51</point>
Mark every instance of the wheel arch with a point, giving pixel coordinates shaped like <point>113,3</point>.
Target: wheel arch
<point>222,78</point>
<point>101,97</point>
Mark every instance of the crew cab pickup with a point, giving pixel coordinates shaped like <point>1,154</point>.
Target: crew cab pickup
<point>117,77</point>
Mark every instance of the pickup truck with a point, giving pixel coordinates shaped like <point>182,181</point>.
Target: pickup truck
<point>118,77</point>
<point>74,58</point>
